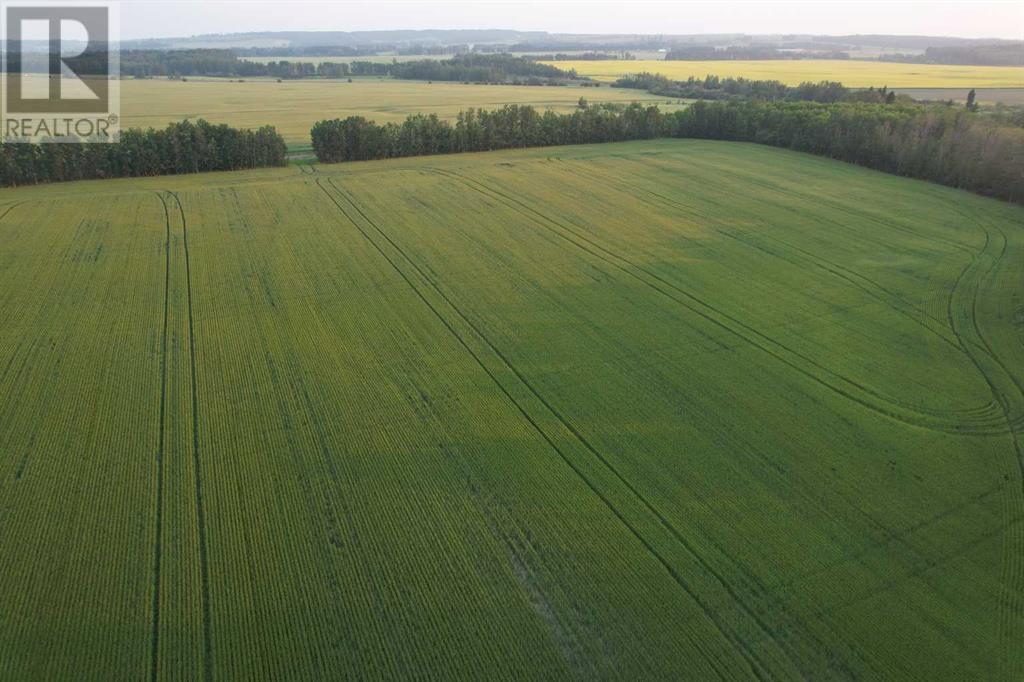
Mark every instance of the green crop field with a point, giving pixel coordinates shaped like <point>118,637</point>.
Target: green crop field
<point>663,410</point>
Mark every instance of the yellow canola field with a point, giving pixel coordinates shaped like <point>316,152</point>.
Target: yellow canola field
<point>856,74</point>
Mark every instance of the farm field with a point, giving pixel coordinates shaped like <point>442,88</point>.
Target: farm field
<point>294,106</point>
<point>676,409</point>
<point>852,73</point>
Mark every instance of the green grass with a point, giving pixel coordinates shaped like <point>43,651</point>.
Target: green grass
<point>661,410</point>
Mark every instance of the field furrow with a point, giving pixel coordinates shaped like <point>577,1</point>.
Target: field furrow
<point>756,667</point>
<point>676,409</point>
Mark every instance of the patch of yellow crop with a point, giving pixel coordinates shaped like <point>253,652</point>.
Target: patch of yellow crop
<point>856,74</point>
<point>293,106</point>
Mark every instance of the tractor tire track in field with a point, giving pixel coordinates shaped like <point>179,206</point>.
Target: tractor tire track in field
<point>800,258</point>
<point>157,545</point>
<point>995,408</point>
<point>992,413</point>
<point>942,421</point>
<point>759,588</point>
<point>757,667</point>
<point>811,200</point>
<point>852,277</point>
<point>806,199</point>
<point>753,664</point>
<point>1011,400</point>
<point>200,513</point>
<point>518,565</point>
<point>865,283</point>
<point>1011,417</point>
<point>10,208</point>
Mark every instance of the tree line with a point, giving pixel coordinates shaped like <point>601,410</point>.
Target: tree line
<point>480,68</point>
<point>712,53</point>
<point>198,62</point>
<point>950,146</point>
<point>206,62</point>
<point>718,88</point>
<point>476,68</point>
<point>179,148</point>
<point>590,56</point>
<point>996,54</point>
<point>358,139</point>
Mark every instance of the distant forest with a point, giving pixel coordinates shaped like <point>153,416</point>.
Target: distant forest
<point>710,53</point>
<point>184,63</point>
<point>1001,54</point>
<point>486,68</point>
<point>582,57</point>
<point>475,68</point>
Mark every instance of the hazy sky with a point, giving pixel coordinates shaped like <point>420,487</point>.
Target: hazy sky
<point>975,19</point>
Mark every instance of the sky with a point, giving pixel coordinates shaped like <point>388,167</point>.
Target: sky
<point>966,18</point>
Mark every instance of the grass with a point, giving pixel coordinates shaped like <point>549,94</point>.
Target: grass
<point>852,73</point>
<point>294,106</point>
<point>663,410</point>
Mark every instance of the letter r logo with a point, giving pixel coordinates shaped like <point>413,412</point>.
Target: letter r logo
<point>47,41</point>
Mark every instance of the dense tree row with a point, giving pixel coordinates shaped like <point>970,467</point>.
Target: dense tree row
<point>184,147</point>
<point>364,68</point>
<point>950,146</point>
<point>477,68</point>
<point>583,57</point>
<point>565,44</point>
<point>355,138</point>
<point>998,54</point>
<point>488,68</point>
<point>315,51</point>
<point>205,62</point>
<point>715,87</point>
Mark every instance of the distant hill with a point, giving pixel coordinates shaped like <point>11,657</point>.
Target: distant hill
<point>925,49</point>
<point>535,39</point>
<point>300,39</point>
